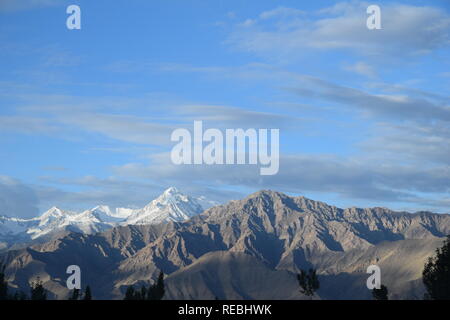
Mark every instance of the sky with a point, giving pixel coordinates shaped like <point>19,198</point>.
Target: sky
<point>86,115</point>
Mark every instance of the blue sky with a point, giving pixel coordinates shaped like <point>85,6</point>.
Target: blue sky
<point>86,115</point>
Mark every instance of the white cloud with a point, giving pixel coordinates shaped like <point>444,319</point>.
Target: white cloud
<point>122,127</point>
<point>281,12</point>
<point>93,191</point>
<point>422,145</point>
<point>385,105</point>
<point>137,121</point>
<point>406,30</point>
<point>350,178</point>
<point>361,68</point>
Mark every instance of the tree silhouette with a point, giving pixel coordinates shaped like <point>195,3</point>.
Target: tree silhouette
<point>3,283</point>
<point>380,294</point>
<point>130,294</point>
<point>87,293</point>
<point>309,282</point>
<point>154,292</point>
<point>38,291</point>
<point>75,294</point>
<point>436,274</point>
<point>143,293</point>
<point>19,296</point>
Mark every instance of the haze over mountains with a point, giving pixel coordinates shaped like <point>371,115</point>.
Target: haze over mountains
<point>171,205</point>
<point>245,249</point>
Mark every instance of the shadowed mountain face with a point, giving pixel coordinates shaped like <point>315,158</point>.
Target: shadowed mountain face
<point>246,249</point>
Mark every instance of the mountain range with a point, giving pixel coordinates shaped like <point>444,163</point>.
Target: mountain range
<point>245,249</point>
<point>171,205</point>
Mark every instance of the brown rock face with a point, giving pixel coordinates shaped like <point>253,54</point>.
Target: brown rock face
<point>246,249</point>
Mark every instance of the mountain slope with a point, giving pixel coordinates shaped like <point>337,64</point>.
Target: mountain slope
<point>171,205</point>
<point>250,248</point>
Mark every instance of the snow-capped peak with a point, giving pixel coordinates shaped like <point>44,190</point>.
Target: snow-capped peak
<point>53,214</point>
<point>102,208</point>
<point>53,211</point>
<point>171,195</point>
<point>171,205</point>
<point>171,191</point>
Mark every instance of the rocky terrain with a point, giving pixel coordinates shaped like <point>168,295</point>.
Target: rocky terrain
<point>171,205</point>
<point>245,249</point>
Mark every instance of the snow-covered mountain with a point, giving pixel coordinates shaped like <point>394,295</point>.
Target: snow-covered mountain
<point>171,205</point>
<point>56,220</point>
<point>261,242</point>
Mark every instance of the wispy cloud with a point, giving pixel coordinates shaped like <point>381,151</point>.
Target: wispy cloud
<point>422,145</point>
<point>369,97</point>
<point>361,68</point>
<point>88,191</point>
<point>17,199</point>
<point>395,107</point>
<point>406,30</point>
<point>29,125</point>
<point>349,178</point>
<point>123,119</point>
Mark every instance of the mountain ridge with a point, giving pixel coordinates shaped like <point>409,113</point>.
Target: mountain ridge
<point>171,205</point>
<point>212,254</point>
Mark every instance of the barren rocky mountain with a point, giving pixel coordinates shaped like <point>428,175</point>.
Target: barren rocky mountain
<point>246,249</point>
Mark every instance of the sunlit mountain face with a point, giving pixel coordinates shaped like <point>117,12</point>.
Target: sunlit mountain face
<point>225,149</point>
<point>247,249</point>
<point>171,205</point>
